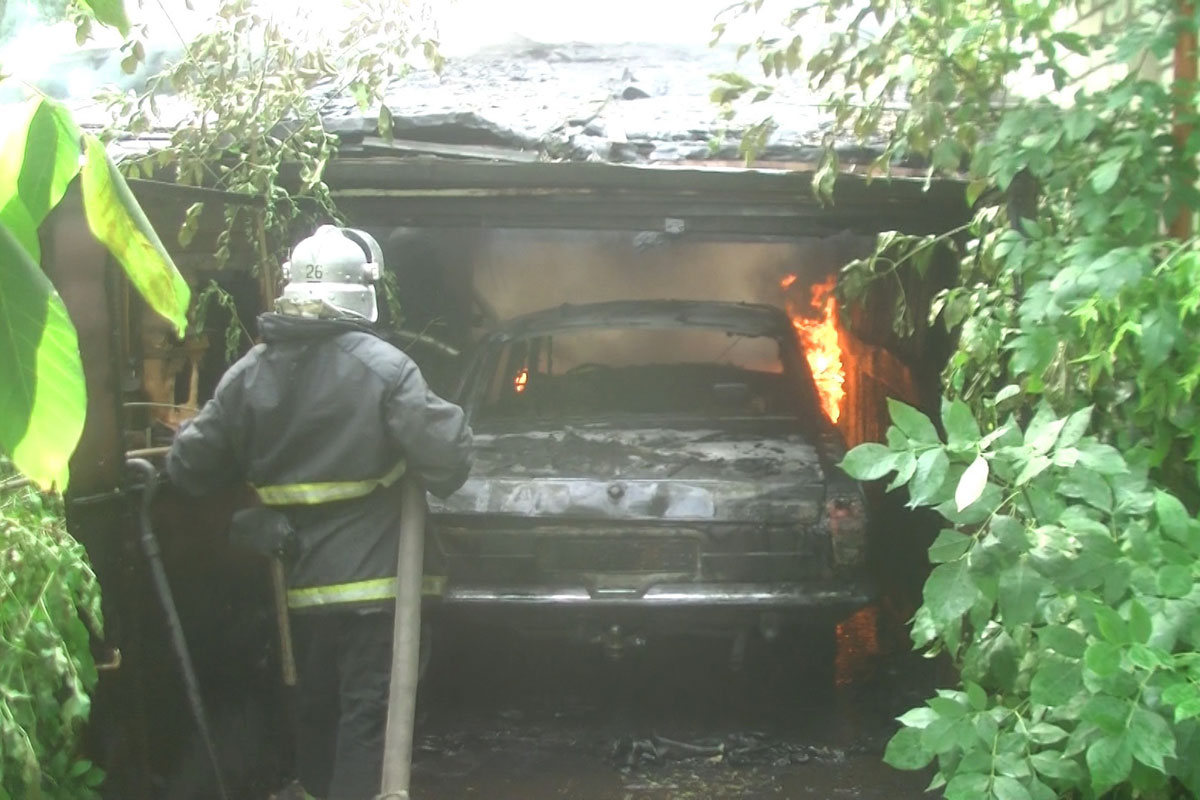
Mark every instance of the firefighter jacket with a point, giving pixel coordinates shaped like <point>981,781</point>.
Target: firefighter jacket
<point>323,418</point>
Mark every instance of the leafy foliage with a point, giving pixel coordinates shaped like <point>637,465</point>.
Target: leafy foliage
<point>51,599</point>
<point>245,105</point>
<point>1063,585</point>
<point>42,399</point>
<point>40,418</point>
<point>118,222</point>
<point>211,295</point>
<point>1068,286</point>
<point>1065,590</point>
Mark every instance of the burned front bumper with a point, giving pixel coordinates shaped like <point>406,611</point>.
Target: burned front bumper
<point>693,609</point>
<point>759,597</point>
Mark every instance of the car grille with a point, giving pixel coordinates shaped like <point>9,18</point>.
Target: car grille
<point>648,554</point>
<point>545,554</point>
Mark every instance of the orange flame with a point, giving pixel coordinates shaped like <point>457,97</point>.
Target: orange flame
<point>521,381</point>
<point>819,334</point>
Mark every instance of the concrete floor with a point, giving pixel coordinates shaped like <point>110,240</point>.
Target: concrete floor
<point>510,720</point>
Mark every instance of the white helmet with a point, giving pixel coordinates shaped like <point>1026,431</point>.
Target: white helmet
<point>331,275</point>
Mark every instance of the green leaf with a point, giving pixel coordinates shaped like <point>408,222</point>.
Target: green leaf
<point>1171,515</point>
<point>1146,657</point>
<point>1102,458</point>
<point>385,124</point>
<point>1106,712</point>
<point>38,160</point>
<point>191,223</point>
<point>971,484</point>
<point>1074,428</point>
<point>959,422</point>
<point>116,219</point>
<point>1079,124</point>
<point>950,592</point>
<point>1109,760</point>
<point>1053,765</point>
<point>948,707</point>
<point>1011,390</point>
<point>1187,709</point>
<point>1034,467</point>
<point>1020,588</point>
<point>1104,177</point>
<point>994,661</point>
<point>1141,626</point>
<point>904,750</point>
<point>931,471</point>
<point>1111,624</point>
<point>1180,693</point>
<point>1159,333</point>
<point>1043,430</point>
<point>1006,788</point>
<point>1175,581</point>
<point>976,188</point>
<point>1062,639</point>
<point>968,786</point>
<point>906,467</point>
<point>1151,738</point>
<point>111,13</point>
<point>976,696</point>
<point>1103,658</point>
<point>1056,681</point>
<point>50,161</point>
<point>919,717</point>
<point>868,461</point>
<point>913,423</point>
<point>42,394</point>
<point>949,546</point>
<point>1088,486</point>
<point>1045,733</point>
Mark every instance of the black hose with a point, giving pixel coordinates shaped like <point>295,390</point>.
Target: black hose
<point>159,574</point>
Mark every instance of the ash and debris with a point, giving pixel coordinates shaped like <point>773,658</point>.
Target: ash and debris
<point>735,749</point>
<point>538,721</point>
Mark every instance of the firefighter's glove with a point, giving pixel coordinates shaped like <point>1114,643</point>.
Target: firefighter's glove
<point>265,531</point>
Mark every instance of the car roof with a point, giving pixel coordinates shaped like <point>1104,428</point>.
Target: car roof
<point>747,319</point>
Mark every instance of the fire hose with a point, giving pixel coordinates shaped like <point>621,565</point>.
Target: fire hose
<point>406,645</point>
<point>158,574</point>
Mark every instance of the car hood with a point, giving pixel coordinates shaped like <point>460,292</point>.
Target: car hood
<point>651,473</point>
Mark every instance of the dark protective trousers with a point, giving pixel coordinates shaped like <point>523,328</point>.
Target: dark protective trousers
<point>344,661</point>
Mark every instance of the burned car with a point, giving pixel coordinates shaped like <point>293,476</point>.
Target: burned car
<point>650,467</point>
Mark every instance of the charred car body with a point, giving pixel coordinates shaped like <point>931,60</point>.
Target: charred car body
<point>650,467</point>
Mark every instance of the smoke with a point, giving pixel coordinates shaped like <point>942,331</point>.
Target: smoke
<point>38,47</point>
<point>522,271</point>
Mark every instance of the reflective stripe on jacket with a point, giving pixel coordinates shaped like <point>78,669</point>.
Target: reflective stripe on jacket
<point>324,418</point>
<point>311,494</point>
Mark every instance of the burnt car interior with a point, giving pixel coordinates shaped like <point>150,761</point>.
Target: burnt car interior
<point>599,373</point>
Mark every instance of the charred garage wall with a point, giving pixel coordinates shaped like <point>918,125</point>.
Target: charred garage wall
<point>469,243</point>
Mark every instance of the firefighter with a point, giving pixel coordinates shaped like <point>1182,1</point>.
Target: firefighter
<point>322,419</point>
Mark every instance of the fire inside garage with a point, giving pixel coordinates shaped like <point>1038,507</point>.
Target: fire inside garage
<point>618,288</point>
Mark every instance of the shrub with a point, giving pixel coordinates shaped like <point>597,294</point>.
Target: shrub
<point>50,599</point>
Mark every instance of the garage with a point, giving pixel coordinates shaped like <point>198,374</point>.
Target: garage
<point>477,228</point>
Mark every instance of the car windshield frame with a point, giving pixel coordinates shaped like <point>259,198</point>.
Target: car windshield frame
<point>485,369</point>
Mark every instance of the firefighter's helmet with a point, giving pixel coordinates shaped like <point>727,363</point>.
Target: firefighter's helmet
<point>332,274</point>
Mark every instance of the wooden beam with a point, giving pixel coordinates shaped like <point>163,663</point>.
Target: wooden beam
<point>372,144</point>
